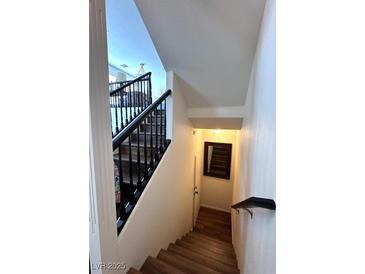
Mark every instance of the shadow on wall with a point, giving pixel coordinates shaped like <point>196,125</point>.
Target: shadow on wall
<point>192,95</point>
<point>239,234</point>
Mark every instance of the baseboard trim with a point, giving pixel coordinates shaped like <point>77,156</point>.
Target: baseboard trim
<point>216,208</point>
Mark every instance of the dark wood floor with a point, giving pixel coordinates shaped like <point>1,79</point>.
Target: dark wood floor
<point>207,249</point>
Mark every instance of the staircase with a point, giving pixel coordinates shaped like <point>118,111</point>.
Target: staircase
<point>139,140</point>
<point>156,137</point>
<point>207,249</point>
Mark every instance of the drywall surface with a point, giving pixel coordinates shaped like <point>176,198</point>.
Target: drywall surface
<point>217,193</point>
<point>209,44</point>
<point>164,212</point>
<point>255,240</point>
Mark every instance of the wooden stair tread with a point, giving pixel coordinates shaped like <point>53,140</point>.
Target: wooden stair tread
<point>213,230</point>
<point>206,241</point>
<point>184,263</point>
<point>214,212</point>
<point>210,238</point>
<point>133,271</point>
<point>210,246</point>
<point>223,258</point>
<point>215,234</point>
<point>214,225</point>
<point>201,259</point>
<point>156,266</point>
<point>214,220</point>
<point>219,216</point>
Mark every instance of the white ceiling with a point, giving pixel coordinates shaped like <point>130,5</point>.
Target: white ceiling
<point>209,44</point>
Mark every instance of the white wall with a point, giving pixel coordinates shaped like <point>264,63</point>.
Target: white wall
<point>216,192</point>
<point>164,212</point>
<point>199,150</point>
<point>102,236</point>
<point>255,240</point>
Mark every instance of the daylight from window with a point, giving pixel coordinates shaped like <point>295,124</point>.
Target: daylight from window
<point>131,51</point>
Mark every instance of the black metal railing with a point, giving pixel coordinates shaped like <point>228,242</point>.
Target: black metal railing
<point>128,99</point>
<point>115,85</point>
<point>137,150</point>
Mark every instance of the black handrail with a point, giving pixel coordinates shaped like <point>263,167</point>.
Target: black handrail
<point>119,82</point>
<point>130,83</point>
<point>255,202</point>
<point>121,136</point>
<point>115,85</point>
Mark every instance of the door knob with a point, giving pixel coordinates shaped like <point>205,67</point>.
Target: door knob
<point>196,192</point>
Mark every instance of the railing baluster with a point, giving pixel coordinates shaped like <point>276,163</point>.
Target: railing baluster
<point>134,99</point>
<point>161,147</point>
<point>165,125</point>
<point>111,113</point>
<point>149,88</point>
<point>125,106</point>
<point>145,150</point>
<point>156,130</point>
<point>146,91</point>
<point>146,96</point>
<point>122,212</point>
<point>131,189</point>
<point>138,98</point>
<point>115,125</point>
<point>143,95</point>
<point>121,107</point>
<point>151,140</point>
<point>124,97</point>
<point>142,100</point>
<point>129,104</point>
<point>116,113</point>
<point>139,185</point>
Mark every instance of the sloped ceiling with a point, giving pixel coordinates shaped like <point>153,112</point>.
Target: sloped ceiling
<point>209,44</point>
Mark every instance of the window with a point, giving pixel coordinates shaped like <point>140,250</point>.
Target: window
<point>112,79</point>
